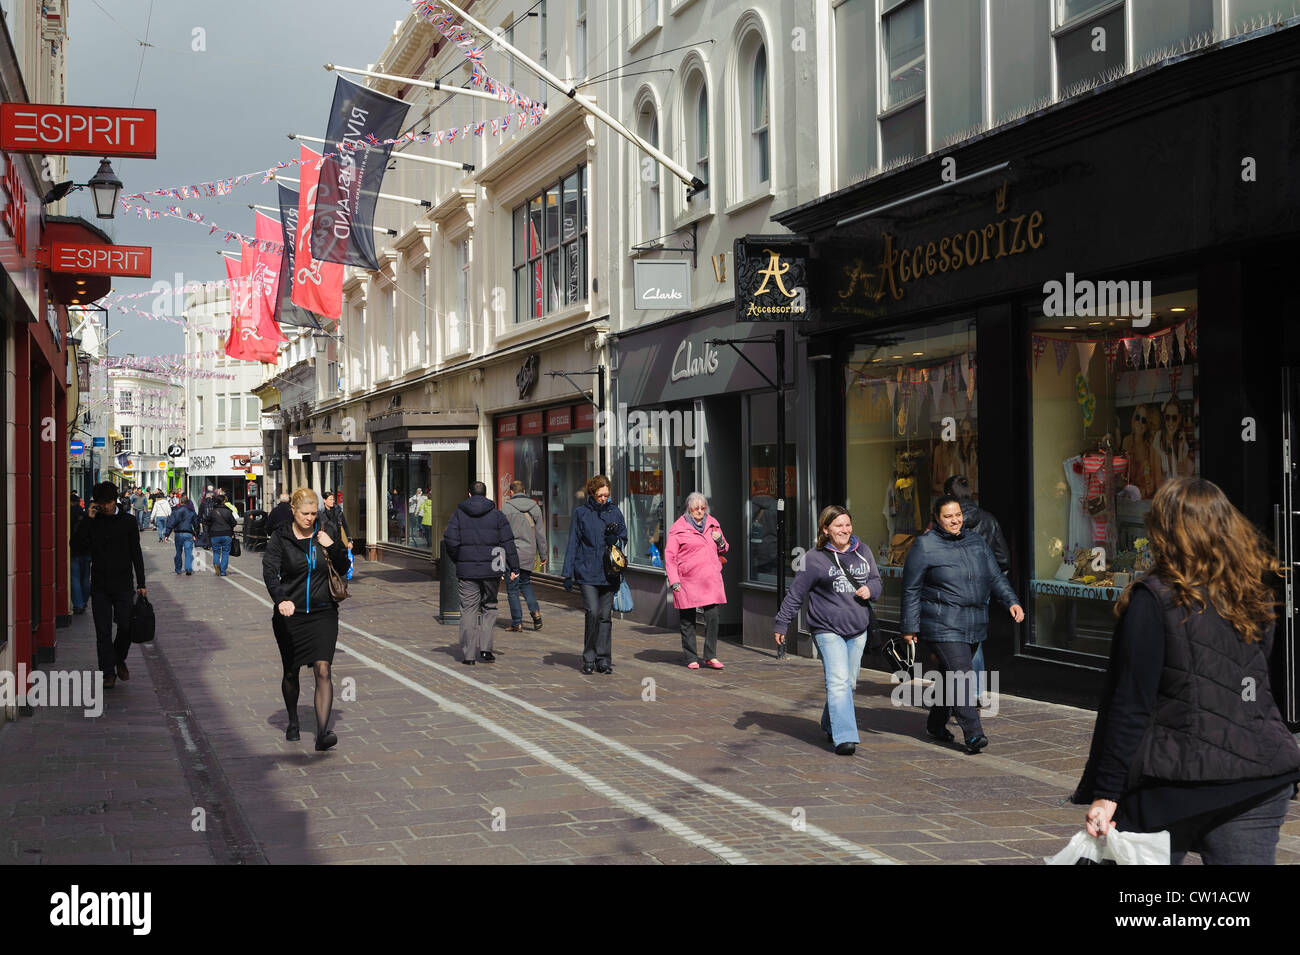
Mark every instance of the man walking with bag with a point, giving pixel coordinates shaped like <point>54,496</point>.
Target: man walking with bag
<point>112,536</point>
<point>478,538</point>
<point>221,531</point>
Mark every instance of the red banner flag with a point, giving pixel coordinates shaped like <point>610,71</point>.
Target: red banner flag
<point>254,336</point>
<point>317,285</point>
<point>265,277</point>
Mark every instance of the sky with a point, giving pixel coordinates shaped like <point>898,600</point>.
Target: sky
<point>223,111</point>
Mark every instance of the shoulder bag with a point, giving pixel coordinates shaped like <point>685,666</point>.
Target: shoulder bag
<point>338,586</point>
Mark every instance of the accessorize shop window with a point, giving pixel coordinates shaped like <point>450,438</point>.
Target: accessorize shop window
<point>760,537</point>
<point>912,422</point>
<point>1115,415</point>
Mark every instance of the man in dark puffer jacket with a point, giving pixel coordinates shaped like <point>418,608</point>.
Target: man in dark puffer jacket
<point>479,539</point>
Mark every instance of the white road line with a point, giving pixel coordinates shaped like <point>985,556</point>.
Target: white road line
<point>773,815</point>
<point>630,803</point>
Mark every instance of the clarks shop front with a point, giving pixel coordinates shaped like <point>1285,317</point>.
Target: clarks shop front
<point>1097,304</point>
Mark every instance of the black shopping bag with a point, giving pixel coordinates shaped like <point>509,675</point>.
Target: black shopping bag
<point>142,620</point>
<point>235,549</point>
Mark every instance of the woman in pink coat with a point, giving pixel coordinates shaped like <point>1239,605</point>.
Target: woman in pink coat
<point>693,561</point>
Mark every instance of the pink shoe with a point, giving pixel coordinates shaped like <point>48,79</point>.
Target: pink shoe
<point>715,664</point>
<point>693,665</point>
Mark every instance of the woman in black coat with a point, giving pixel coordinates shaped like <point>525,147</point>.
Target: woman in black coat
<point>306,617</point>
<point>1188,737</point>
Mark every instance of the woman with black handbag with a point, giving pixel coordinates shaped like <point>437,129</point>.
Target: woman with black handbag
<point>839,578</point>
<point>296,569</point>
<point>596,558</point>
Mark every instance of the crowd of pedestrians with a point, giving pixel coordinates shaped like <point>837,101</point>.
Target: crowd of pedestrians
<point>1190,632</point>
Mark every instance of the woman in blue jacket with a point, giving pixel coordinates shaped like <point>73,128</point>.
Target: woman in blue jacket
<point>596,525</point>
<point>838,578</point>
<point>947,579</point>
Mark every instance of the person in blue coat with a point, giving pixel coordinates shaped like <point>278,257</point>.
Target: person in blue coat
<point>948,578</point>
<point>597,524</point>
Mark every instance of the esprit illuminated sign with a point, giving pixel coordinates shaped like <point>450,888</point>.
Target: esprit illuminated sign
<point>132,260</point>
<point>78,130</point>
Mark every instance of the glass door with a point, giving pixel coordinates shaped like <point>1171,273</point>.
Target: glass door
<point>1286,518</point>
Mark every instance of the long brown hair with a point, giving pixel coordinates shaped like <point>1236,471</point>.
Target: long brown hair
<point>1204,547</point>
<point>827,517</point>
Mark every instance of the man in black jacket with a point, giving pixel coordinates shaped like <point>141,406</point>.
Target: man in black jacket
<point>282,513</point>
<point>221,530</point>
<point>183,523</point>
<point>112,537</point>
<point>479,539</point>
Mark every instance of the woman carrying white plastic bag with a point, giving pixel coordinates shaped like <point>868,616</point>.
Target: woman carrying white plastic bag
<point>1188,738</point>
<point>1117,848</point>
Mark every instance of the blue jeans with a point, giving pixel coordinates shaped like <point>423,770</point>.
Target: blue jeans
<point>221,553</point>
<point>79,571</point>
<point>841,660</point>
<point>977,664</point>
<point>1244,834</point>
<point>160,525</point>
<point>513,588</point>
<point>142,518</point>
<point>185,542</point>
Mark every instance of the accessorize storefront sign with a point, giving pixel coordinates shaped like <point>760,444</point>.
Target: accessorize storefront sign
<point>883,275</point>
<point>661,283</point>
<point>78,130</point>
<point>129,260</point>
<point>771,279</point>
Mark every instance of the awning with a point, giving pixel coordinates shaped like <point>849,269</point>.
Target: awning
<point>416,425</point>
<point>72,288</point>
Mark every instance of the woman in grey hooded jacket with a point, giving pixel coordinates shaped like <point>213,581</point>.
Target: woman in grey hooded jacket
<point>527,524</point>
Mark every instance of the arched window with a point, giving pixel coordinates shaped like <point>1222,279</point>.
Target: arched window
<point>648,172</point>
<point>695,113</point>
<point>759,113</point>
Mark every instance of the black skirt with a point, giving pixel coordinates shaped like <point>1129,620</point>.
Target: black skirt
<point>305,638</point>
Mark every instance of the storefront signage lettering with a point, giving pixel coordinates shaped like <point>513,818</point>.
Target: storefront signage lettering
<point>78,130</point>
<point>15,210</point>
<point>132,260</point>
<point>900,265</point>
<point>771,279</point>
<point>440,444</point>
<point>559,419</point>
<point>527,375</point>
<point>202,462</point>
<point>687,365</point>
<point>508,427</point>
<point>662,283</point>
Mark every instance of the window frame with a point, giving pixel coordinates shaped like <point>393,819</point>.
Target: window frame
<point>534,260</point>
<point>760,169</point>
<point>886,108</point>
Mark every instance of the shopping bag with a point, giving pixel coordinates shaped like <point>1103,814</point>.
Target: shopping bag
<point>235,549</point>
<point>142,620</point>
<point>1115,848</point>
<point>623,599</point>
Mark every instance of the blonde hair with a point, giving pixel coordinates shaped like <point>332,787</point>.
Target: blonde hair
<point>303,496</point>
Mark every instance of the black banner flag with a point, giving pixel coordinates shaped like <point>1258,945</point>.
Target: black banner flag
<point>342,230</point>
<point>285,311</point>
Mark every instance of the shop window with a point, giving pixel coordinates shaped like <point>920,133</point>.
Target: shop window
<point>661,458</point>
<point>411,504</point>
<point>571,460</point>
<point>1115,415</point>
<point>912,408</point>
<point>761,536</point>
<point>550,249</point>
<point>1088,49</point>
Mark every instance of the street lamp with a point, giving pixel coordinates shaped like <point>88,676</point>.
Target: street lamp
<point>105,187</point>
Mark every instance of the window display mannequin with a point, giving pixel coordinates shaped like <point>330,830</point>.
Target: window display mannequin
<point>1144,460</point>
<point>903,499</point>
<point>1171,445</point>
<point>952,458</point>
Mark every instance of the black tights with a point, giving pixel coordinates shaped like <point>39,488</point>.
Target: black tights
<point>324,695</point>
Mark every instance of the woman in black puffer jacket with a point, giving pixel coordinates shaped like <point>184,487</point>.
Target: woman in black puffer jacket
<point>947,580</point>
<point>306,618</point>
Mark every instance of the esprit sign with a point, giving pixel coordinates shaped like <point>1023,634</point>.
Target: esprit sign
<point>78,130</point>
<point>132,260</point>
<point>15,210</point>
